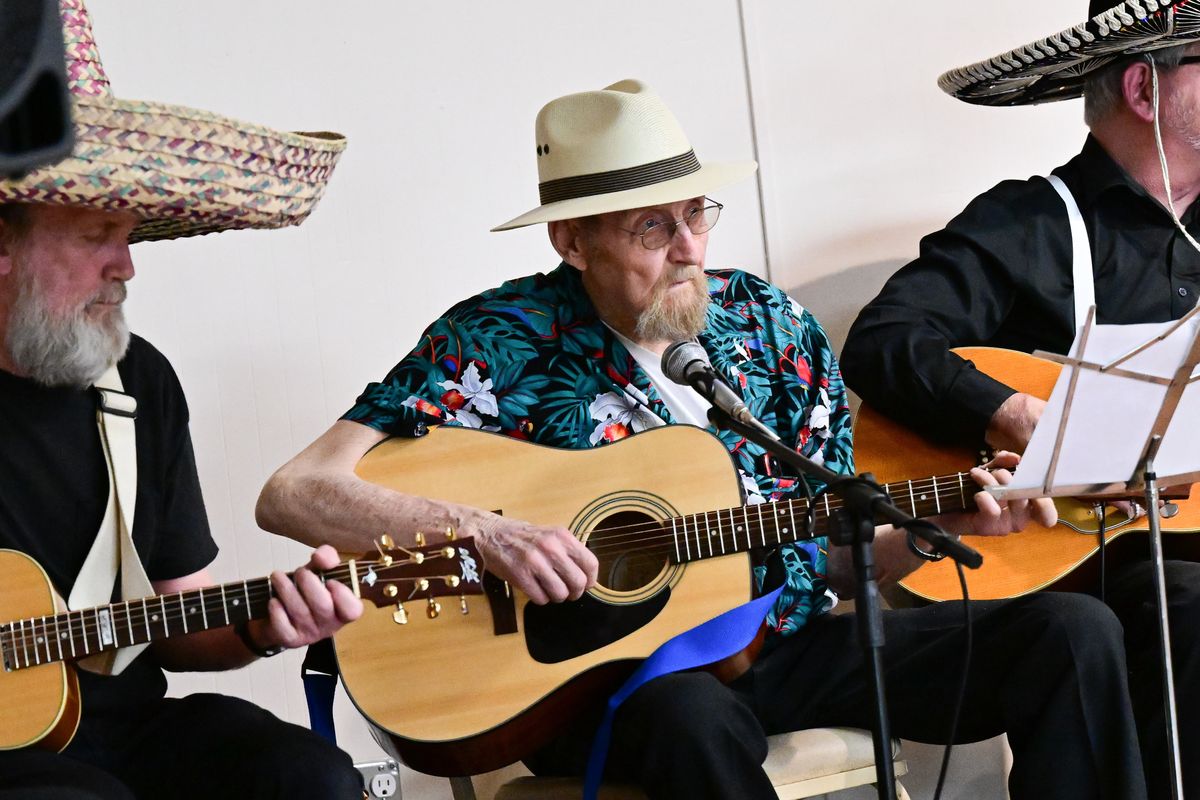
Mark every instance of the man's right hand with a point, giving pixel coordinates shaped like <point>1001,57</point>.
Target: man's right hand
<point>548,564</point>
<point>1011,427</point>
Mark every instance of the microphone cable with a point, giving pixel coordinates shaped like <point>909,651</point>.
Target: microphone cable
<point>962,684</point>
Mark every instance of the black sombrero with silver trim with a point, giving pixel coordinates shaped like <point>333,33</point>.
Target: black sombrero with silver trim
<point>1055,68</point>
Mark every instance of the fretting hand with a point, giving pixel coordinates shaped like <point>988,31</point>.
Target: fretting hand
<point>999,517</point>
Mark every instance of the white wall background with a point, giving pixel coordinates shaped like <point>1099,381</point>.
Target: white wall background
<point>274,333</point>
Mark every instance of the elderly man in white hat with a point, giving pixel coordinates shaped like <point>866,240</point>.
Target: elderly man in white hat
<point>95,428</point>
<point>1021,265</point>
<point>571,359</point>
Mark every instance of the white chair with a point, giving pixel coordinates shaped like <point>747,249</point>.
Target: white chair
<point>800,764</point>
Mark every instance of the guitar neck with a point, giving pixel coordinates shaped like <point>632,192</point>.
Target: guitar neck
<point>78,634</point>
<point>735,530</point>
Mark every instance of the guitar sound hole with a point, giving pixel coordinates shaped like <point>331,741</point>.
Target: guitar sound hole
<point>632,549</point>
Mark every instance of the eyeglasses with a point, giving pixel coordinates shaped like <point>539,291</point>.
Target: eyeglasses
<point>1188,60</point>
<point>658,231</point>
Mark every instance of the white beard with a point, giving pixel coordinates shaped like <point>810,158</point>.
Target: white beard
<point>63,350</point>
<point>684,320</point>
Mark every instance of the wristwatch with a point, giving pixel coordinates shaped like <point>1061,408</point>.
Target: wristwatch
<point>242,629</point>
<point>921,554</point>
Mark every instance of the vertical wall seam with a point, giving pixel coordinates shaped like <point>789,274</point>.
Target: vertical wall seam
<point>758,179</point>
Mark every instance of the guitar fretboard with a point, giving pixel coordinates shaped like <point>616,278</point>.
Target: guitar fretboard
<point>733,530</point>
<point>79,634</point>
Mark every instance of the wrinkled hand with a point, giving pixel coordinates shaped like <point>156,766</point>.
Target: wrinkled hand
<point>1011,427</point>
<point>548,564</point>
<point>304,610</point>
<point>994,517</point>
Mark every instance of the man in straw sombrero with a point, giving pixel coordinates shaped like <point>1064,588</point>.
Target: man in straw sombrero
<point>94,427</point>
<point>1019,267</point>
<point>571,359</point>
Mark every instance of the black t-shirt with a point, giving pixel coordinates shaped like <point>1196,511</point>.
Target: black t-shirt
<point>54,489</point>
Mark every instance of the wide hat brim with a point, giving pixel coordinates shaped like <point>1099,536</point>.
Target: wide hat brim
<point>1056,67</point>
<point>183,171</point>
<point>708,178</point>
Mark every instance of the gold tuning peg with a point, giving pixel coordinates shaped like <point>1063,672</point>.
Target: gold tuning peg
<point>400,616</point>
<point>390,590</point>
<point>420,539</point>
<point>450,534</point>
<point>433,609</point>
<point>423,585</point>
<point>382,543</point>
<point>462,604</point>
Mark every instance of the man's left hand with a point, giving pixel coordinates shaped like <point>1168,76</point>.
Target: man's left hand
<point>995,517</point>
<point>305,610</point>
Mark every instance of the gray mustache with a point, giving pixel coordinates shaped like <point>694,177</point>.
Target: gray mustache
<point>114,294</point>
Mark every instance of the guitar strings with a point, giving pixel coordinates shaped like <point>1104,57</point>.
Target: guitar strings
<point>633,533</point>
<point>122,614</point>
<point>616,539</point>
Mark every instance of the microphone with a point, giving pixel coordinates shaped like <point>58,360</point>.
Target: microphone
<point>687,364</point>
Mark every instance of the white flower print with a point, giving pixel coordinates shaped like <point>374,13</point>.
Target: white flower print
<point>750,488</point>
<point>818,418</point>
<point>469,419</point>
<point>477,395</point>
<point>620,415</point>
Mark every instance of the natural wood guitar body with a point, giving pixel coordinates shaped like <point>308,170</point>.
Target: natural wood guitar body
<point>1038,557</point>
<point>41,703</point>
<point>452,695</point>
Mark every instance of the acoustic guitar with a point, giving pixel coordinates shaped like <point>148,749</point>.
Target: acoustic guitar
<point>39,690</point>
<point>662,512</point>
<point>1037,558</point>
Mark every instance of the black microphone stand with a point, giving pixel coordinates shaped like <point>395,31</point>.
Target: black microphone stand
<point>863,503</point>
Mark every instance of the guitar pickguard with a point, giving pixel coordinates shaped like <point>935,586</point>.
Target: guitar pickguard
<point>561,631</point>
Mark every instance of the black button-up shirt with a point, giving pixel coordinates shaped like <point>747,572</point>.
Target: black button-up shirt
<point>1000,275</point>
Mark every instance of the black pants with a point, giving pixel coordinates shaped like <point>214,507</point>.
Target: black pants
<point>1131,595</point>
<point>1048,669</point>
<point>199,747</point>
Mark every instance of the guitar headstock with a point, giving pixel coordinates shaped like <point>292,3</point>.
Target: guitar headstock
<point>422,572</point>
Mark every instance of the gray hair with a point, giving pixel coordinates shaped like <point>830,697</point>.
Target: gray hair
<point>1102,93</point>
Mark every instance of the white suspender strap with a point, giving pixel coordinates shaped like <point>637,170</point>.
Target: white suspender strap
<point>1081,253</point>
<point>113,550</point>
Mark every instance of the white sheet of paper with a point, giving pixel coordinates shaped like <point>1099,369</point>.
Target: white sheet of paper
<point>1111,417</point>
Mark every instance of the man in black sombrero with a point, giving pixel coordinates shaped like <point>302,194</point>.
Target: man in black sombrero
<point>1019,267</point>
<point>572,359</point>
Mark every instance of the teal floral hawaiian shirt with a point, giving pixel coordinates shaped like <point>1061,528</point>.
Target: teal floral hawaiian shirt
<point>532,360</point>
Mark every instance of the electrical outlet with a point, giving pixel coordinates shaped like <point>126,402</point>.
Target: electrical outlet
<point>380,779</point>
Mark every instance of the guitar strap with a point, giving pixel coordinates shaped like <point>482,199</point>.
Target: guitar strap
<point>707,643</point>
<point>1081,253</point>
<point>113,550</point>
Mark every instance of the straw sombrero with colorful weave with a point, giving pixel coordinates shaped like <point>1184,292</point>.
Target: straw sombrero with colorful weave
<point>183,171</point>
<point>1056,67</point>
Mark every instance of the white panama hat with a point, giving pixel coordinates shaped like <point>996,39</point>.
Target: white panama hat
<point>615,149</point>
